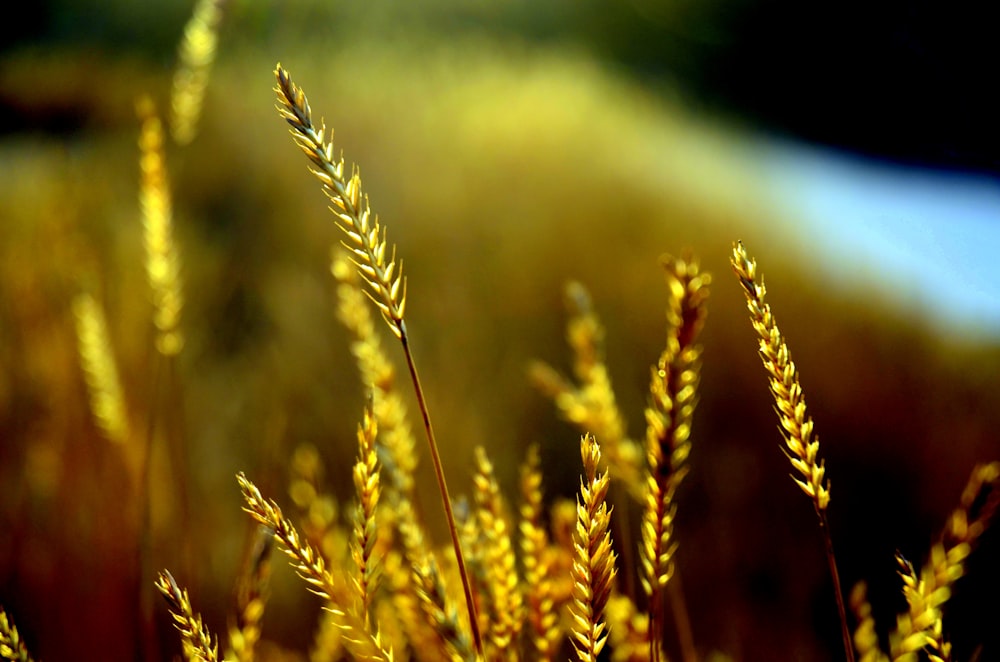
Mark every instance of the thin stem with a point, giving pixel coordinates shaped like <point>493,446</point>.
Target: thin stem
<point>845,631</point>
<point>470,602</point>
<point>147,647</point>
<point>655,624</point>
<point>682,620</point>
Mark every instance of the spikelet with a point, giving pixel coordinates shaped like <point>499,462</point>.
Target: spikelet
<point>377,374</point>
<point>591,405</point>
<point>506,603</point>
<point>673,390</point>
<point>196,641</point>
<point>594,563</point>
<point>537,561</point>
<point>921,627</point>
<point>195,56</point>
<point>11,646</point>
<point>365,238</point>
<point>367,486</point>
<point>865,638</point>
<point>107,402</point>
<point>163,265</point>
<point>359,638</point>
<point>797,426</point>
<point>251,598</point>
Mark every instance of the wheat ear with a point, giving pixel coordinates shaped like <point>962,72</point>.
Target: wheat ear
<point>921,627</point>
<point>541,613</point>
<point>802,447</point>
<point>196,641</point>
<point>594,561</point>
<point>195,55</point>
<point>428,585</point>
<point>362,641</point>
<point>376,264</point>
<point>107,402</point>
<point>251,598</point>
<point>506,602</point>
<point>865,637</point>
<point>163,264</point>
<point>378,374</point>
<point>367,485</point>
<point>12,647</point>
<point>590,404</point>
<point>673,397</point>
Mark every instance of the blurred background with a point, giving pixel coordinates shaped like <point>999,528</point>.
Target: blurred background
<point>509,147</point>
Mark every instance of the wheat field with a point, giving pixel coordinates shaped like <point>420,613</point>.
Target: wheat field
<point>586,465</point>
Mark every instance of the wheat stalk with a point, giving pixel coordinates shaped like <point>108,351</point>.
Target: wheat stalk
<point>163,265</point>
<point>376,264</point>
<point>673,397</point>
<point>12,647</point>
<point>251,598</point>
<point>590,404</point>
<point>365,237</point>
<point>310,566</point>
<point>506,603</point>
<point>797,426</point>
<point>921,627</point>
<point>428,585</point>
<point>378,374</point>
<point>367,485</point>
<point>196,641</point>
<point>802,447</point>
<point>196,54</point>
<point>107,402</point>
<point>865,638</point>
<point>594,561</point>
<point>534,542</point>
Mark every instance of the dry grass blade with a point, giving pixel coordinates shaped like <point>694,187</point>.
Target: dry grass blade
<point>673,397</point>
<point>107,402</point>
<point>309,564</point>
<point>594,563</point>
<point>11,645</point>
<point>367,485</point>
<point>365,237</point>
<point>163,263</point>
<point>195,57</point>
<point>921,627</point>
<point>196,642</point>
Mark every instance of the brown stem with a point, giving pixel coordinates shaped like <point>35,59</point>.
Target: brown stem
<point>682,620</point>
<point>655,633</point>
<point>845,631</point>
<point>147,649</point>
<point>443,488</point>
